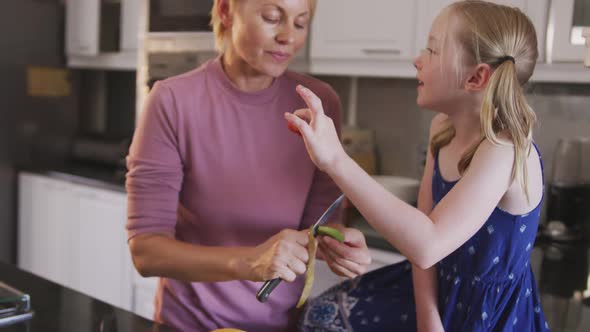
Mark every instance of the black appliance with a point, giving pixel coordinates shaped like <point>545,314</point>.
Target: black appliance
<point>568,213</point>
<point>180,15</point>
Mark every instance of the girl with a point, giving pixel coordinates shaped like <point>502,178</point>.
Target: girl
<point>220,197</point>
<point>470,239</point>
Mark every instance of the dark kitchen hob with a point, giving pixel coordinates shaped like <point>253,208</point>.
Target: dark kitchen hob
<point>57,308</point>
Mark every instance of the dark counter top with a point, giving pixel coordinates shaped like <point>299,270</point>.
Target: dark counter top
<point>562,271</point>
<point>57,308</point>
<point>93,175</point>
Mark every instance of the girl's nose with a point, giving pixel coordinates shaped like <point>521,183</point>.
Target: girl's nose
<point>417,63</point>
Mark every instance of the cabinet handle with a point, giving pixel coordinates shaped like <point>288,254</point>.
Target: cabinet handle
<point>381,51</point>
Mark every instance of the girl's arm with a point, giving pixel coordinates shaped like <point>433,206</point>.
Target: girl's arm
<point>425,283</point>
<point>424,239</point>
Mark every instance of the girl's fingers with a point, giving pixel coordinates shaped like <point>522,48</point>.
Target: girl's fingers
<point>305,114</point>
<point>300,124</point>
<point>311,100</point>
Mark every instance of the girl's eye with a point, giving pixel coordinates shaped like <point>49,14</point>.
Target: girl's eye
<point>431,51</point>
<point>300,26</point>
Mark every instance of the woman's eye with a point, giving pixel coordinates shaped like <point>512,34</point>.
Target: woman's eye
<point>300,26</point>
<point>272,20</point>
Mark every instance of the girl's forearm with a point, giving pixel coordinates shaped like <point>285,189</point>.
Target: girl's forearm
<point>425,295</point>
<point>406,228</point>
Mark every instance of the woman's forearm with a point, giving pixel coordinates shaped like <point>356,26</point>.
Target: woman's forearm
<point>163,256</point>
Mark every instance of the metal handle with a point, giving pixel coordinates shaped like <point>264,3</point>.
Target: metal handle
<point>382,51</point>
<point>267,288</point>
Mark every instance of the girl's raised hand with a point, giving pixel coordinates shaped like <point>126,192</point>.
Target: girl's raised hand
<point>318,131</point>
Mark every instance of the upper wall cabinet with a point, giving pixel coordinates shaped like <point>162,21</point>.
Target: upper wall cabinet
<point>567,19</point>
<point>102,33</point>
<point>536,10</point>
<point>371,34</point>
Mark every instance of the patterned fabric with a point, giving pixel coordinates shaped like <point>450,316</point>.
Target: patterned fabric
<point>485,285</point>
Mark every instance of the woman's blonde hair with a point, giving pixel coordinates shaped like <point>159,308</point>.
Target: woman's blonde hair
<point>504,38</point>
<point>219,29</point>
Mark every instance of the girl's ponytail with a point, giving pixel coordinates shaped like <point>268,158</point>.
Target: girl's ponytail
<point>505,108</point>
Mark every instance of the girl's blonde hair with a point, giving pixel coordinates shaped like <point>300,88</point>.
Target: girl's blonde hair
<point>504,38</point>
<point>219,29</point>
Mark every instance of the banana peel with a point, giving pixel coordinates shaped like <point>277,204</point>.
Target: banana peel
<point>312,247</point>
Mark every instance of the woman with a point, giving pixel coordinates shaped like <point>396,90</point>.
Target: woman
<point>220,192</point>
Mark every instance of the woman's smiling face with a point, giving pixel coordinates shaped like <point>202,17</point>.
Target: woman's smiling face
<point>267,34</point>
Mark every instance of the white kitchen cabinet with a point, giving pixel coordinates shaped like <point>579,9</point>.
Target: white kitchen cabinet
<point>535,9</point>
<point>349,35</point>
<point>74,235</point>
<point>130,12</point>
<point>45,221</point>
<point>564,35</point>
<point>102,34</point>
<point>82,27</point>
<point>144,292</point>
<point>104,262</point>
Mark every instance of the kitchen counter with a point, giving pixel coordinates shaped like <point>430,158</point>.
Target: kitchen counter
<point>97,176</point>
<point>58,308</point>
<point>563,276</point>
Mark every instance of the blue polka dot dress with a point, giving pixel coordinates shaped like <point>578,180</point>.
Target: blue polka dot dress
<point>487,284</point>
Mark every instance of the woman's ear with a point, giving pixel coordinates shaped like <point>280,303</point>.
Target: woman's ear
<point>479,77</point>
<point>224,11</point>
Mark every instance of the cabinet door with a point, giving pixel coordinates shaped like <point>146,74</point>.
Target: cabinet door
<point>428,10</point>
<point>130,12</point>
<point>25,221</point>
<point>46,225</point>
<point>371,29</point>
<point>82,27</point>
<point>104,261</point>
<point>536,10</point>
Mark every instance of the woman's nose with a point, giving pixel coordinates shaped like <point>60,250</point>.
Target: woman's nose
<point>285,35</point>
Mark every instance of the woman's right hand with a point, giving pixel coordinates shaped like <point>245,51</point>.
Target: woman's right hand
<point>282,256</point>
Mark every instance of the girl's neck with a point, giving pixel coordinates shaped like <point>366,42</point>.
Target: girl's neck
<point>242,75</point>
<point>466,122</point>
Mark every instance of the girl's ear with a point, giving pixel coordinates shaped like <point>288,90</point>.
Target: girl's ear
<point>224,13</point>
<point>479,77</point>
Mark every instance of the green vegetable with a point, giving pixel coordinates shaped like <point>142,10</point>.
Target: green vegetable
<point>331,232</point>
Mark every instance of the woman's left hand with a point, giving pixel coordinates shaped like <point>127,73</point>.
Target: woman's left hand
<point>318,131</point>
<point>348,259</point>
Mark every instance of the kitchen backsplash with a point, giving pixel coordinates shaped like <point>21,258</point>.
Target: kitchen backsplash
<point>388,106</point>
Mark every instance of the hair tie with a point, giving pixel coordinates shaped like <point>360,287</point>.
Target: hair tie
<point>506,58</point>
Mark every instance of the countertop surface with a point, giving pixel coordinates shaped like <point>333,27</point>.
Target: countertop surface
<point>86,174</point>
<point>562,271</point>
<point>563,278</point>
<point>57,308</point>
